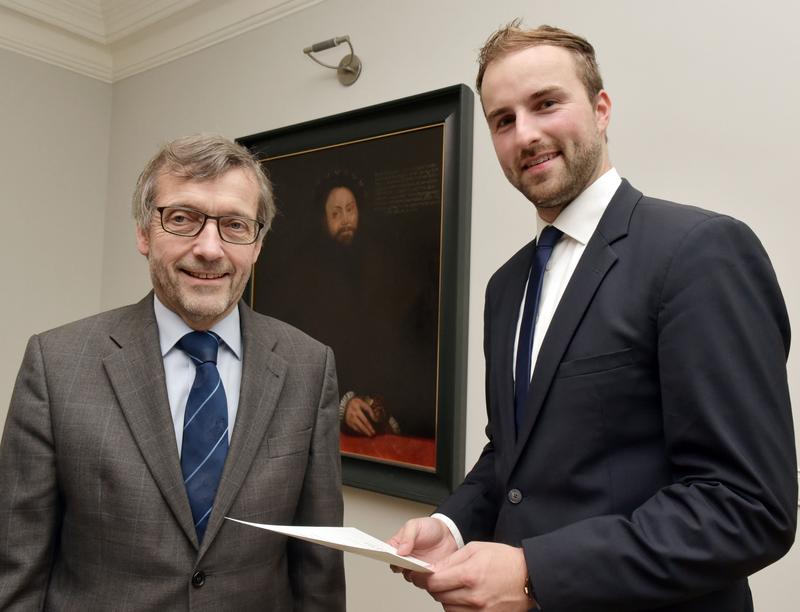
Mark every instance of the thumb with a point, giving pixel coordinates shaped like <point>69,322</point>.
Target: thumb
<point>405,539</point>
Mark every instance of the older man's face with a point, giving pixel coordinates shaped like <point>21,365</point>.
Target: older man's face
<point>201,278</point>
<point>341,215</point>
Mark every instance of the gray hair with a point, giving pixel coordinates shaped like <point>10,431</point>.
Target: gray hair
<point>200,157</point>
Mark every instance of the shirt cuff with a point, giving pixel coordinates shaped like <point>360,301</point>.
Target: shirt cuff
<point>451,526</point>
<point>343,403</point>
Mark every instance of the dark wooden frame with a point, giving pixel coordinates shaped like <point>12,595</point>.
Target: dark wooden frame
<point>452,107</point>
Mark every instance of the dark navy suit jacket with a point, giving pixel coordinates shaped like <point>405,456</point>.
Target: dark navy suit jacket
<point>655,467</point>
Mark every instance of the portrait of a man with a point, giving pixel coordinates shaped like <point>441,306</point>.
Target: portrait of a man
<point>361,224</point>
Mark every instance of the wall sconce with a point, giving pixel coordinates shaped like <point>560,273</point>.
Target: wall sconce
<point>349,68</point>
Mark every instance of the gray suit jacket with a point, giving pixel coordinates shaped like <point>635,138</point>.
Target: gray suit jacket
<point>93,511</point>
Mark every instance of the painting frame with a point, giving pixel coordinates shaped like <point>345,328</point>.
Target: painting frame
<point>452,108</point>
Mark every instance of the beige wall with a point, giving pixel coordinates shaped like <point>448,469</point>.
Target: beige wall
<point>704,112</point>
<point>54,152</point>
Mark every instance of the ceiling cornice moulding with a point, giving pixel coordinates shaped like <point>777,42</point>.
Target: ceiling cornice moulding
<point>81,17</point>
<point>110,40</point>
<point>54,45</point>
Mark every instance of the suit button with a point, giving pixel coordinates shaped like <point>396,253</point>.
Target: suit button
<point>198,579</point>
<point>515,496</point>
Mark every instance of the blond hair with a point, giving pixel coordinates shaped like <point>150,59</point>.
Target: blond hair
<point>512,38</point>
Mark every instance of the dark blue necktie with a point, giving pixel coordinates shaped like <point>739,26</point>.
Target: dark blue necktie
<point>205,428</point>
<point>522,372</point>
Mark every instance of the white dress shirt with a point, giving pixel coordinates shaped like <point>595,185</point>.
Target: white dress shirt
<point>180,371</point>
<point>578,221</point>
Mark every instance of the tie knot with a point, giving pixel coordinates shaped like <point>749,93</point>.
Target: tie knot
<point>550,235</point>
<point>201,347</point>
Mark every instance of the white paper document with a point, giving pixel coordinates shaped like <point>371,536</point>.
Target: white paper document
<point>348,539</point>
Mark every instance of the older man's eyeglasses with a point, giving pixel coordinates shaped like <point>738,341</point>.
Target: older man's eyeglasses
<point>188,222</point>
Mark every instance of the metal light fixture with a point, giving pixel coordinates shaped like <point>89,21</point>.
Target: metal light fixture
<point>349,68</point>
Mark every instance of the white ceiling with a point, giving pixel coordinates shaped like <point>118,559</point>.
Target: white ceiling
<point>112,39</point>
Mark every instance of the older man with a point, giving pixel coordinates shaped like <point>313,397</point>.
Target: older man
<point>132,434</point>
<point>640,451</point>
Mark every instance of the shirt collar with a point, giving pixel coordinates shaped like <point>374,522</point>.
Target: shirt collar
<point>172,328</point>
<point>581,217</point>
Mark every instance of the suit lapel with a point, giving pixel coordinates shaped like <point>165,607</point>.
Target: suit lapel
<point>263,375</point>
<point>136,372</point>
<point>596,261</point>
<point>508,316</point>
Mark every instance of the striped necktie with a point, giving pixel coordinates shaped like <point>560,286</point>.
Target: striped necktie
<point>205,427</point>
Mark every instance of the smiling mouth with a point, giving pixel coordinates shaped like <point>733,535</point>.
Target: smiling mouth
<point>204,275</point>
<point>539,160</point>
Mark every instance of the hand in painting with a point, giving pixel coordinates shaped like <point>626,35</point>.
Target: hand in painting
<point>359,416</point>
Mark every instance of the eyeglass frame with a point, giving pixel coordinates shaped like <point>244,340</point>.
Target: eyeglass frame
<point>206,217</point>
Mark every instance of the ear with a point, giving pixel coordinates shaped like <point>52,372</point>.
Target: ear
<point>257,249</point>
<point>602,111</point>
<point>142,241</point>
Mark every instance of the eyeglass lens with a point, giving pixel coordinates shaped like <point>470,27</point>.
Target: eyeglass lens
<point>189,222</point>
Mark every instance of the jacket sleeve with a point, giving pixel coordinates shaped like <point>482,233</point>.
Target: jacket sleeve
<point>722,344</point>
<point>317,572</point>
<point>474,505</point>
<point>30,507</point>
